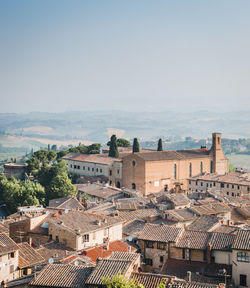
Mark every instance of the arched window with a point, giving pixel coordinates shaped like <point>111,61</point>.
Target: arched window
<point>201,167</point>
<point>190,169</point>
<point>118,184</point>
<point>175,171</point>
<point>133,186</point>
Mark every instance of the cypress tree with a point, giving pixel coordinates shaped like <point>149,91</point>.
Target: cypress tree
<point>159,148</point>
<point>136,147</point>
<point>113,150</point>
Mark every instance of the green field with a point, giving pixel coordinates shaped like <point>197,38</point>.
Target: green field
<point>240,161</point>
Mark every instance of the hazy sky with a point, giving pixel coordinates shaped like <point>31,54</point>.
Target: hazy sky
<point>58,55</point>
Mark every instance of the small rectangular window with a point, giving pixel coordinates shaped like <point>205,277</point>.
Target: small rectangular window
<point>222,185</point>
<point>238,187</point>
<point>161,245</point>
<point>110,172</point>
<point>149,244</point>
<point>118,171</point>
<point>83,167</point>
<point>85,238</point>
<point>183,253</point>
<point>101,170</point>
<point>161,259</point>
<point>88,168</point>
<point>148,261</point>
<point>93,169</point>
<point>243,280</point>
<point>232,186</point>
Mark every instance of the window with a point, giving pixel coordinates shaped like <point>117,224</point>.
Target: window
<point>204,255</point>
<point>161,259</point>
<point>175,168</point>
<point>211,167</point>
<point>238,187</point>
<point>238,194</point>
<point>110,182</point>
<point>161,245</point>
<point>243,280</point>
<point>50,236</point>
<point>11,268</point>
<point>70,165</point>
<point>243,257</point>
<point>110,172</point>
<point>78,167</point>
<point>93,169</point>
<point>183,253</point>
<point>83,167</point>
<point>166,188</point>
<point>88,168</point>
<point>148,261</point>
<point>189,182</point>
<point>133,186</point>
<point>101,170</point>
<point>201,167</point>
<point>118,171</point>
<point>12,254</point>
<point>85,238</point>
<point>188,254</point>
<point>214,184</point>
<point>227,185</point>
<point>133,163</point>
<point>232,193</point>
<point>57,239</point>
<point>222,185</point>
<point>232,186</point>
<point>118,184</point>
<point>96,169</point>
<point>190,169</point>
<point>149,244</point>
<point>74,166</point>
<point>210,185</point>
<point>201,183</point>
<point>227,193</point>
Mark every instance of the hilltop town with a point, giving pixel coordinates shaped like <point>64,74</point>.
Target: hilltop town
<point>146,218</point>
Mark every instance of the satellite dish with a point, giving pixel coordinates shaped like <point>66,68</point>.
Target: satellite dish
<point>76,263</point>
<point>51,260</point>
<point>66,211</point>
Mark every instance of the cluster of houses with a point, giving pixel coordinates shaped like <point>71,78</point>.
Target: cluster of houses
<point>174,216</point>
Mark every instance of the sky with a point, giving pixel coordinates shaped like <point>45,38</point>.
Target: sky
<point>137,55</point>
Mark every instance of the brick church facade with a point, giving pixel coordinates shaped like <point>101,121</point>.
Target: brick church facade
<point>156,171</point>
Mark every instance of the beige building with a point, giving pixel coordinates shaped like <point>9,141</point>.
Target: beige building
<point>241,259</point>
<point>151,172</point>
<point>8,258</point>
<point>231,184</point>
<point>79,230</point>
<point>96,165</point>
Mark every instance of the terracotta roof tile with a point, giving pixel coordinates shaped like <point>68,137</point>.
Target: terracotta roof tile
<point>193,240</point>
<point>7,245</point>
<point>242,240</point>
<point>62,275</point>
<point>28,256</point>
<point>221,241</point>
<point>161,233</point>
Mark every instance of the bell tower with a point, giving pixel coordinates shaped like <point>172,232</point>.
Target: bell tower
<point>220,162</point>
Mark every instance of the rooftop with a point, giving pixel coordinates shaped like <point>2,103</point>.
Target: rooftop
<point>173,155</point>
<point>91,158</point>
<point>179,199</point>
<point>160,233</point>
<point>204,223</point>
<point>62,275</point>
<point>242,241</point>
<point>7,245</point>
<point>28,256</point>
<point>66,203</point>
<point>193,240</point>
<point>210,209</point>
<point>221,241</point>
<point>79,222</point>
<point>107,268</point>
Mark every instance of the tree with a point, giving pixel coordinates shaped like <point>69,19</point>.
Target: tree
<point>61,186</point>
<point>41,155</point>
<point>159,148</point>
<point>21,193</point>
<point>51,155</point>
<point>113,150</point>
<point>94,148</point>
<point>120,281</point>
<point>33,165</point>
<point>136,146</point>
<point>60,154</point>
<point>121,142</point>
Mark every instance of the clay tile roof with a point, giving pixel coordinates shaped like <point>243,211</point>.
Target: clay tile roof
<point>107,268</point>
<point>100,191</point>
<point>129,216</point>
<point>148,280</point>
<point>161,233</point>
<point>173,155</point>
<point>204,223</point>
<point>92,158</point>
<point>7,245</point>
<point>62,275</point>
<point>124,256</point>
<point>184,284</point>
<point>193,240</point>
<point>103,252</point>
<point>242,240</point>
<point>66,203</point>
<point>210,209</point>
<point>28,256</point>
<point>221,241</point>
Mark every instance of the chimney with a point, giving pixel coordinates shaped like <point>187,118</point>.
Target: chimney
<point>189,276</point>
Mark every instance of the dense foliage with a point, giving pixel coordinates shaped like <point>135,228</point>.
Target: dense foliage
<point>113,148</point>
<point>121,142</point>
<point>16,193</point>
<point>120,281</point>
<point>159,148</point>
<point>136,147</point>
